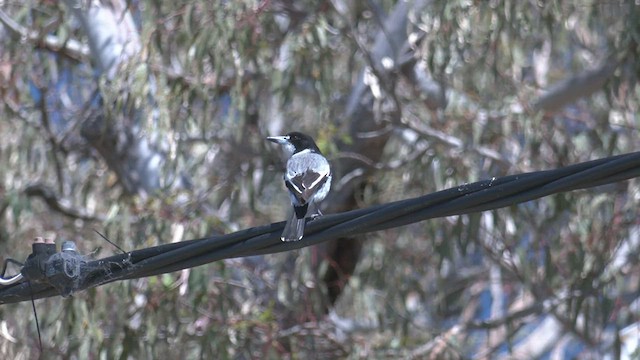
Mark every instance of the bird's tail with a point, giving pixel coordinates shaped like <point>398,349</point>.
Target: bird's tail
<point>294,230</point>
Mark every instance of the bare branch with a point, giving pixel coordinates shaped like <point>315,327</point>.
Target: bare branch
<point>573,88</point>
<point>69,47</point>
<point>452,141</point>
<point>439,347</point>
<point>58,204</point>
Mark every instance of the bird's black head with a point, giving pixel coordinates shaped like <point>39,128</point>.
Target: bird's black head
<point>302,141</point>
<point>295,142</point>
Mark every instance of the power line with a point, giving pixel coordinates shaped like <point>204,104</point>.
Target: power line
<point>464,199</point>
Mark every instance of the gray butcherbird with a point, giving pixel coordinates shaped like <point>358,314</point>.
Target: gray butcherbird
<point>307,177</point>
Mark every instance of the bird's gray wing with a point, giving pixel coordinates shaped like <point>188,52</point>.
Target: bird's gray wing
<point>305,175</point>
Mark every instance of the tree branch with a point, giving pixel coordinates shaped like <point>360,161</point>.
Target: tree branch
<point>70,47</point>
<point>58,204</point>
<point>575,87</point>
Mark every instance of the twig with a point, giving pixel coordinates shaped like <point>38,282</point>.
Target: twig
<point>532,309</point>
<point>575,87</point>
<point>454,141</point>
<point>437,347</point>
<point>55,146</point>
<point>60,205</point>
<point>71,48</point>
<point>420,150</point>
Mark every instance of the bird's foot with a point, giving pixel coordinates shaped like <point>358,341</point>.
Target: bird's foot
<point>314,216</point>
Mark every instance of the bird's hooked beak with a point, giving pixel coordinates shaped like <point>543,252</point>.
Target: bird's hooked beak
<point>285,141</point>
<point>282,140</point>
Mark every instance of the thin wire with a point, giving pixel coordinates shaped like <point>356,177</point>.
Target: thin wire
<point>109,241</point>
<point>4,281</point>
<point>35,314</point>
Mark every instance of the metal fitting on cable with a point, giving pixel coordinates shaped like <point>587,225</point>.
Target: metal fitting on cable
<point>11,280</point>
<point>63,269</point>
<point>34,266</point>
<point>69,246</point>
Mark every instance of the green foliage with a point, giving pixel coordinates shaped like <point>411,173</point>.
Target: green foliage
<point>213,78</point>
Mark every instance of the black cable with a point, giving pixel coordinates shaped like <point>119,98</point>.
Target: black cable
<point>464,199</point>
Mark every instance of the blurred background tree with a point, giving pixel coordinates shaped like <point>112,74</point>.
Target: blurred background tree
<point>146,120</point>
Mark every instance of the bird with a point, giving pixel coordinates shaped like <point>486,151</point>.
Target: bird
<point>307,177</point>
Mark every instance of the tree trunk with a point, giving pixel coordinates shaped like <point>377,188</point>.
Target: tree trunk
<point>119,137</point>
